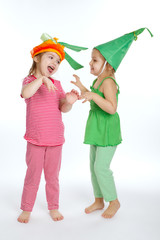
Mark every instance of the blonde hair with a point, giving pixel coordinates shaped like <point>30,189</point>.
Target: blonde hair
<point>34,65</point>
<point>32,69</point>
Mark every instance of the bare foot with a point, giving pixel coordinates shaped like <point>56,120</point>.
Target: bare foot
<point>112,209</point>
<point>97,205</point>
<point>24,217</point>
<point>56,215</point>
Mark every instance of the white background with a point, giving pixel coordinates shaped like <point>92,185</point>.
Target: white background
<point>136,163</point>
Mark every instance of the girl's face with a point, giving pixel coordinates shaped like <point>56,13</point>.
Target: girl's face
<point>47,64</point>
<point>96,63</point>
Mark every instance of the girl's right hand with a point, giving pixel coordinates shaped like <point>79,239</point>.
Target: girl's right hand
<point>77,82</point>
<point>49,84</point>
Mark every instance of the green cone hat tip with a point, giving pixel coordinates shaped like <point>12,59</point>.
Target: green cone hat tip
<point>115,50</point>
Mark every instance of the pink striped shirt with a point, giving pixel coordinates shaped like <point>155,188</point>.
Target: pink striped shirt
<point>44,126</point>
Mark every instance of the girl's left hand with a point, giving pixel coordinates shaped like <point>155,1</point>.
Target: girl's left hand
<point>87,96</point>
<point>72,96</point>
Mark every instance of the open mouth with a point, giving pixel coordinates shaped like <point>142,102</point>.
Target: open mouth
<point>50,69</point>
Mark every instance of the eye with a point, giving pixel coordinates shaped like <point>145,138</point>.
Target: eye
<point>58,61</point>
<point>51,57</point>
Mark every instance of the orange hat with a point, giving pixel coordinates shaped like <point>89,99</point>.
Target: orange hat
<point>51,45</point>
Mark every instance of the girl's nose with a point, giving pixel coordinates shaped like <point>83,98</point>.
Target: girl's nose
<point>54,62</point>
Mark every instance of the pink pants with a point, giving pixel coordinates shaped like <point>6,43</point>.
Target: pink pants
<point>37,159</point>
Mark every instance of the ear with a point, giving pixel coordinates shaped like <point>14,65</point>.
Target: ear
<point>109,67</point>
<point>36,59</point>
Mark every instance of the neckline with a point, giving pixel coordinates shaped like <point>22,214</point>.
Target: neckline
<point>102,82</point>
<point>33,76</point>
<point>48,77</point>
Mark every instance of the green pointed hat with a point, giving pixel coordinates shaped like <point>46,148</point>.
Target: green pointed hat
<point>115,50</point>
<point>52,45</point>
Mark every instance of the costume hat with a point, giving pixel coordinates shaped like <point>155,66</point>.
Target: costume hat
<point>51,45</point>
<point>115,50</point>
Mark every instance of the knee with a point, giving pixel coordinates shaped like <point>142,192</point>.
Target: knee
<point>101,170</point>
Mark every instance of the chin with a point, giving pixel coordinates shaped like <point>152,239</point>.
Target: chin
<point>47,75</point>
<point>94,74</point>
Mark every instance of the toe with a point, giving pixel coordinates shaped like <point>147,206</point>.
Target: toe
<point>19,220</point>
<point>87,210</point>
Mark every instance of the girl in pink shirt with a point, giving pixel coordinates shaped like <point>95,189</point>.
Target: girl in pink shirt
<point>45,100</point>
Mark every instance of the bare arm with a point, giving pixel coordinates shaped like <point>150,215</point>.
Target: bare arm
<point>78,83</point>
<point>30,89</point>
<point>107,104</point>
<point>64,106</point>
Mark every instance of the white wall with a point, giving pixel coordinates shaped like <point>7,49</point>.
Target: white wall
<point>84,23</point>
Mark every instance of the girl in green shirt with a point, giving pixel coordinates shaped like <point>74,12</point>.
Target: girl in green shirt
<point>103,131</point>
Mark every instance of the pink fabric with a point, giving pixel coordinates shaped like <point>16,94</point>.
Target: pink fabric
<point>44,126</point>
<point>37,159</point>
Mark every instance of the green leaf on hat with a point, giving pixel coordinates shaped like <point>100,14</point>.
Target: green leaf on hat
<point>73,47</point>
<point>70,60</point>
<point>75,65</point>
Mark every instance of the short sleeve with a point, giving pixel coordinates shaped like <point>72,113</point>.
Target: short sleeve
<point>28,80</point>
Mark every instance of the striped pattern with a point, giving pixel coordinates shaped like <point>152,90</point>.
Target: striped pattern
<point>44,126</point>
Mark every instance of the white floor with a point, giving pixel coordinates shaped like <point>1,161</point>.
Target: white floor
<point>137,219</point>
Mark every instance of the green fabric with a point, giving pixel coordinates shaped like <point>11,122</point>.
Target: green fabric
<point>46,36</point>
<point>73,47</point>
<point>102,128</point>
<point>75,65</point>
<point>115,50</point>
<point>101,174</point>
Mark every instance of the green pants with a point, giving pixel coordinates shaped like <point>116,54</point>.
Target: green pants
<point>101,175</point>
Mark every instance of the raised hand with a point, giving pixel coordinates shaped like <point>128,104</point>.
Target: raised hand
<point>77,81</point>
<point>88,96</point>
<point>49,84</point>
<point>72,96</point>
